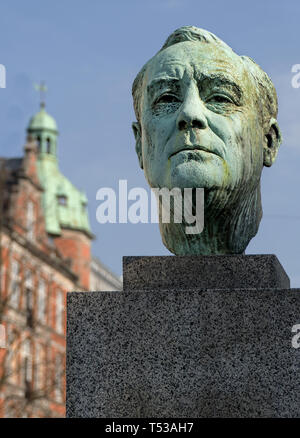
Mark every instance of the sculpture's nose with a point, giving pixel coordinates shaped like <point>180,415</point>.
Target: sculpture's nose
<point>192,111</point>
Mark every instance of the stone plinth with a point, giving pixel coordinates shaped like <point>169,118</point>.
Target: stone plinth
<point>209,272</point>
<point>184,352</point>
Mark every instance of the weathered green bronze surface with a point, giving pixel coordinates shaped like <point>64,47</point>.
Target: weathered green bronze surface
<point>73,212</point>
<point>206,117</point>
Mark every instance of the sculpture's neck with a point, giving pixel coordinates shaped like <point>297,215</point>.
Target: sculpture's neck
<point>226,231</point>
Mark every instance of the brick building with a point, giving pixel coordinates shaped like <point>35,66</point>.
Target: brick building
<point>45,251</point>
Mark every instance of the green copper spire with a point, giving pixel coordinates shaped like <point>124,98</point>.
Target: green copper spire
<point>64,205</point>
<point>44,129</point>
<point>43,120</point>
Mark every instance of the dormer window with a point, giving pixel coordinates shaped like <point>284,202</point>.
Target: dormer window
<point>48,142</point>
<point>62,200</point>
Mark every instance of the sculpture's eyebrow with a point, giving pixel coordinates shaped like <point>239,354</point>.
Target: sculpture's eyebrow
<point>161,82</point>
<point>220,80</point>
<point>205,82</point>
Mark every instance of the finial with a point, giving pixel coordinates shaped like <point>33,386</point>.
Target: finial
<point>42,88</point>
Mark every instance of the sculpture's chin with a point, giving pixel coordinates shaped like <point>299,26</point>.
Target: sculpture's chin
<point>226,231</point>
<point>209,174</point>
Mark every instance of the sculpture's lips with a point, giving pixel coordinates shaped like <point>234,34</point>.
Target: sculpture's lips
<point>195,148</point>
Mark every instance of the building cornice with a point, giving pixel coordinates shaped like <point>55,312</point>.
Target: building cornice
<point>52,260</point>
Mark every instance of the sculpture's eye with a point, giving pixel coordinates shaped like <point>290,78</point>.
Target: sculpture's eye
<point>219,98</point>
<point>167,98</point>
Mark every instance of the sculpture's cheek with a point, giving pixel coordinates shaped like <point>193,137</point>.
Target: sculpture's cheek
<point>241,135</point>
<point>156,134</point>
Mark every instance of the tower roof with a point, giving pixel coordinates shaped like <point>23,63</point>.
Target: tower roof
<point>42,121</point>
<point>64,205</point>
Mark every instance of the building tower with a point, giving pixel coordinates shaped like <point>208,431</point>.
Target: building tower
<point>45,242</point>
<point>65,207</point>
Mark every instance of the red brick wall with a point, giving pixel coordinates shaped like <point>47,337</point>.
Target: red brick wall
<point>76,246</point>
<point>46,334</point>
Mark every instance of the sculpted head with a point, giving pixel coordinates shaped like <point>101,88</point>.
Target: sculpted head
<point>206,117</point>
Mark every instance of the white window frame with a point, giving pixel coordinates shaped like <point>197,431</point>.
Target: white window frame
<point>27,360</point>
<point>59,362</point>
<point>15,284</point>
<point>42,301</point>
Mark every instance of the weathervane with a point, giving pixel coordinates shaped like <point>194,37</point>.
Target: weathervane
<point>42,88</point>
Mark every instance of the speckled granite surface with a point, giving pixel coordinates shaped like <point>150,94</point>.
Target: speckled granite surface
<point>209,272</point>
<point>183,353</point>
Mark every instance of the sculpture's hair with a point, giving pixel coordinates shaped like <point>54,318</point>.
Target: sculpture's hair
<point>266,93</point>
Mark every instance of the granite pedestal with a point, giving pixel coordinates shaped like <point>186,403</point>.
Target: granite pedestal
<point>188,337</point>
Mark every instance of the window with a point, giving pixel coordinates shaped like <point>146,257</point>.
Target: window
<point>29,298</point>
<point>40,366</point>
<point>39,143</point>
<point>27,364</point>
<point>60,312</point>
<point>42,301</point>
<point>30,220</point>
<point>48,145</point>
<point>62,200</point>
<point>15,284</point>
<point>59,372</point>
<point>12,356</point>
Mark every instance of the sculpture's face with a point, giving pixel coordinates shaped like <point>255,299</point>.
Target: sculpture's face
<point>199,123</point>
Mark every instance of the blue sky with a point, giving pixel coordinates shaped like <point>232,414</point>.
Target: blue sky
<point>89,52</point>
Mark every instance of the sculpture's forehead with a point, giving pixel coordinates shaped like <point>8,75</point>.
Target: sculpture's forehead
<point>198,59</point>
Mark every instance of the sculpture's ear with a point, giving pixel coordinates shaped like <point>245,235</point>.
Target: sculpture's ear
<point>136,127</point>
<point>272,143</point>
